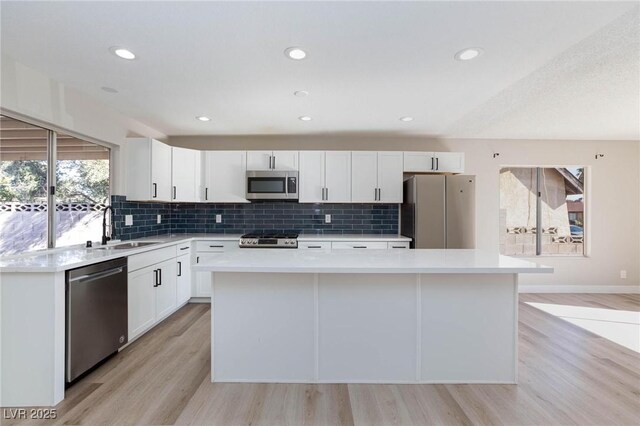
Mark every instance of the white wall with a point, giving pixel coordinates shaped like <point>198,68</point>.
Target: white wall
<point>613,225</point>
<point>27,93</point>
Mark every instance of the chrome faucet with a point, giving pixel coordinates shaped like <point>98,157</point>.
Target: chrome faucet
<point>104,226</point>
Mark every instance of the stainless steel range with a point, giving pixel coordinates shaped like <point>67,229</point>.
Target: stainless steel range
<point>269,240</point>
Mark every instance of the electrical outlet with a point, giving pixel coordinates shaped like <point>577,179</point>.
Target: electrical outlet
<point>218,218</point>
<point>623,274</point>
<point>128,220</point>
<point>159,218</point>
<point>327,218</point>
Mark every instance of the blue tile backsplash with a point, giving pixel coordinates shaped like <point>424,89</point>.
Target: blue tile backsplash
<point>242,218</point>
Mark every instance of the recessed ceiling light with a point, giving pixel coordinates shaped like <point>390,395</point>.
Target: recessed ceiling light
<point>123,53</point>
<point>295,53</point>
<point>304,118</point>
<point>301,93</point>
<point>203,118</point>
<point>406,119</point>
<point>109,89</point>
<point>468,54</point>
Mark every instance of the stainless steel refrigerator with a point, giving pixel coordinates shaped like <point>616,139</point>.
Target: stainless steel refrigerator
<point>439,211</point>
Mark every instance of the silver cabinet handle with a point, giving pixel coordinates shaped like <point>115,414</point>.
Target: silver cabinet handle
<point>206,194</point>
<point>216,246</point>
<point>359,246</point>
<point>274,162</point>
<point>314,247</point>
<point>184,248</point>
<point>437,163</point>
<point>174,192</point>
<point>327,197</point>
<point>155,190</point>
<point>432,168</point>
<point>179,268</point>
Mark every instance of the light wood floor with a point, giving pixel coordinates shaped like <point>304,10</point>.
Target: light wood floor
<point>566,376</point>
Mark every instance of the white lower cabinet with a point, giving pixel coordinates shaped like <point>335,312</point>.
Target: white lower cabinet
<point>339,245</point>
<point>152,293</point>
<point>183,279</point>
<point>141,304</point>
<point>208,250</point>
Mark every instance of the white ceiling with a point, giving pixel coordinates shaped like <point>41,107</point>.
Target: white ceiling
<point>551,70</point>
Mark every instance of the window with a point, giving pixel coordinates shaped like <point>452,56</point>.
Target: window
<point>542,211</point>
<point>33,159</point>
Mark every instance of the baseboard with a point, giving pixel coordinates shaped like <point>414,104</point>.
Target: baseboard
<point>200,300</point>
<point>618,289</point>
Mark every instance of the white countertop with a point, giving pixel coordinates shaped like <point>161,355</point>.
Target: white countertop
<point>369,261</point>
<point>65,258</point>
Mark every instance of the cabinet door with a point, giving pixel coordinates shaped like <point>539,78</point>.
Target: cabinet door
<point>203,279</point>
<point>390,177</point>
<point>166,290</point>
<point>259,160</point>
<point>183,174</point>
<point>338,176</point>
<point>285,160</point>
<point>418,161</point>
<point>160,171</point>
<point>141,304</point>
<point>364,176</point>
<point>183,279</point>
<point>225,176</point>
<point>449,162</point>
<point>312,176</point>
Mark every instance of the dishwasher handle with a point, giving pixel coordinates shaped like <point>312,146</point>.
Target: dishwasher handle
<point>97,275</point>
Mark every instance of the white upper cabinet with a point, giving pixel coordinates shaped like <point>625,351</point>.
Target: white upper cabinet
<point>436,162</point>
<point>311,178</point>
<point>338,176</point>
<point>148,170</point>
<point>259,160</point>
<point>185,174</point>
<point>364,176</point>
<point>225,176</point>
<point>272,160</point>
<point>325,176</point>
<point>376,176</point>
<point>448,162</point>
<point>390,177</point>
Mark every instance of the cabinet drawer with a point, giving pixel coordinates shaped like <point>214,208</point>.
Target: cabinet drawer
<point>398,245</point>
<point>318,245</point>
<point>148,258</point>
<point>183,248</point>
<point>358,245</point>
<point>215,246</point>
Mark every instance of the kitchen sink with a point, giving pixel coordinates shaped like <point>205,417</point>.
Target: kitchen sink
<point>131,245</point>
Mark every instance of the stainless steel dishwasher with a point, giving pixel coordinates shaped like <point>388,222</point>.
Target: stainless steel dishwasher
<point>96,309</point>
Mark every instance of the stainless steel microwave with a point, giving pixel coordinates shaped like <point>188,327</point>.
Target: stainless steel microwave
<point>272,185</point>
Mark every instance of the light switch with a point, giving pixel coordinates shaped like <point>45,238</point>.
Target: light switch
<point>218,218</point>
<point>128,220</point>
<point>327,218</point>
<point>159,218</point>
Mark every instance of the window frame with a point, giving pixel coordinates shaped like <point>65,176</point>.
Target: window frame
<point>52,133</point>
<point>586,230</point>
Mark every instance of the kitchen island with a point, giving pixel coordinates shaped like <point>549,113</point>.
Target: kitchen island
<point>365,316</point>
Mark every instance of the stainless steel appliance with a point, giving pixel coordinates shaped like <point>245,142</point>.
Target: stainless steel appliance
<point>439,211</point>
<point>96,314</point>
<point>269,240</point>
<point>272,185</point>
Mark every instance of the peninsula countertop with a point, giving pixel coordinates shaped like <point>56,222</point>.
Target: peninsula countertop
<point>418,261</point>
